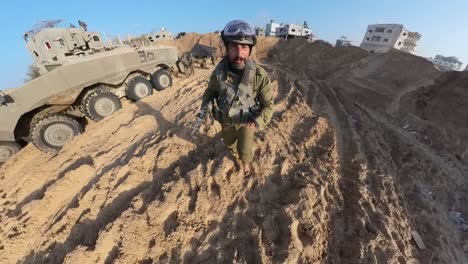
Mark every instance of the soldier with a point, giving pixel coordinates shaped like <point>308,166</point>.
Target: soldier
<point>187,61</point>
<point>203,63</point>
<point>190,66</point>
<point>241,91</point>
<point>212,57</point>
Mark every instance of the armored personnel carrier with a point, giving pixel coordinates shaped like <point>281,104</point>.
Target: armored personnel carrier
<point>80,77</point>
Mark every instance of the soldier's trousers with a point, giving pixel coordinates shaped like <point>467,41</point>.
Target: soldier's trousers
<point>239,139</point>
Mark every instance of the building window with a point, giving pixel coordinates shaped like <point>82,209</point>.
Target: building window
<point>385,40</point>
<point>370,31</point>
<point>47,44</point>
<point>62,42</point>
<point>371,51</point>
<point>35,53</point>
<point>389,31</point>
<point>95,38</point>
<point>376,38</point>
<point>399,43</point>
<point>367,39</point>
<point>164,36</point>
<point>157,36</point>
<point>404,34</point>
<point>293,30</point>
<point>380,30</point>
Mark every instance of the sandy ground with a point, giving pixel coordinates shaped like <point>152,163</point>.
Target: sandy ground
<point>357,157</point>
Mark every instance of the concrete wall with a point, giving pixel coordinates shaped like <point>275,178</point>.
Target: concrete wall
<point>53,45</point>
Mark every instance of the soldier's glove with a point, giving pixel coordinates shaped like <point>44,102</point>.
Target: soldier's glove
<point>196,125</point>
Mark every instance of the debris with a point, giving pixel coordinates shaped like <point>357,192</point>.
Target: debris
<point>455,217</point>
<point>464,226</point>
<point>417,238</point>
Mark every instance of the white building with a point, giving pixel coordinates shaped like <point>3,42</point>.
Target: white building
<point>289,31</point>
<point>447,63</point>
<point>160,36</point>
<point>380,38</point>
<point>270,28</point>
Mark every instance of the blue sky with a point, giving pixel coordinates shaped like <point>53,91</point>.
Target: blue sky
<point>443,24</point>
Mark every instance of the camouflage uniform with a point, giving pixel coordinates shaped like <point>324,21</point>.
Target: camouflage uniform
<point>247,98</point>
<point>203,63</point>
<point>187,61</point>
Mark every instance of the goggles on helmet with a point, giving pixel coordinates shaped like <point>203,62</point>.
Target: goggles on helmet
<point>239,31</point>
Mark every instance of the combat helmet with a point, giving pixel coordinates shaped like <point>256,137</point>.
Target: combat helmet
<point>239,31</point>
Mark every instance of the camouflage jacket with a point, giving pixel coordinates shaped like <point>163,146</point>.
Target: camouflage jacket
<point>261,90</point>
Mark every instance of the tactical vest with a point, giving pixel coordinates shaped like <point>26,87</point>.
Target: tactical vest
<point>236,105</point>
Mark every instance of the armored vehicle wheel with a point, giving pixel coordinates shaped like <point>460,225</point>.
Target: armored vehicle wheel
<point>161,79</point>
<point>8,149</point>
<point>139,88</point>
<point>100,103</point>
<point>52,133</point>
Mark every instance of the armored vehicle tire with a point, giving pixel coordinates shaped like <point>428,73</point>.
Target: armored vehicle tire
<point>101,103</point>
<point>161,79</point>
<point>52,133</point>
<point>139,88</point>
<point>8,149</point>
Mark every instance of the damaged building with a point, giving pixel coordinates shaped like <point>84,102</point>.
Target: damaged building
<point>289,31</point>
<point>381,38</point>
<point>162,35</point>
<point>447,63</point>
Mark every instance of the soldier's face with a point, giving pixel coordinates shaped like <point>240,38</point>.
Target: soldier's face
<point>238,54</point>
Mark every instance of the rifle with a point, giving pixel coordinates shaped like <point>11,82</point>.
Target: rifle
<point>201,117</point>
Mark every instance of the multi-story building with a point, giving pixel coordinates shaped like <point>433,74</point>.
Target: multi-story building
<point>447,63</point>
<point>380,38</point>
<point>270,28</point>
<point>289,31</point>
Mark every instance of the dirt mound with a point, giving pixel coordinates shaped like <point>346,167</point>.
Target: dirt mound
<point>381,80</point>
<point>336,180</point>
<point>187,42</point>
<point>441,110</point>
<point>264,45</point>
<point>318,59</point>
